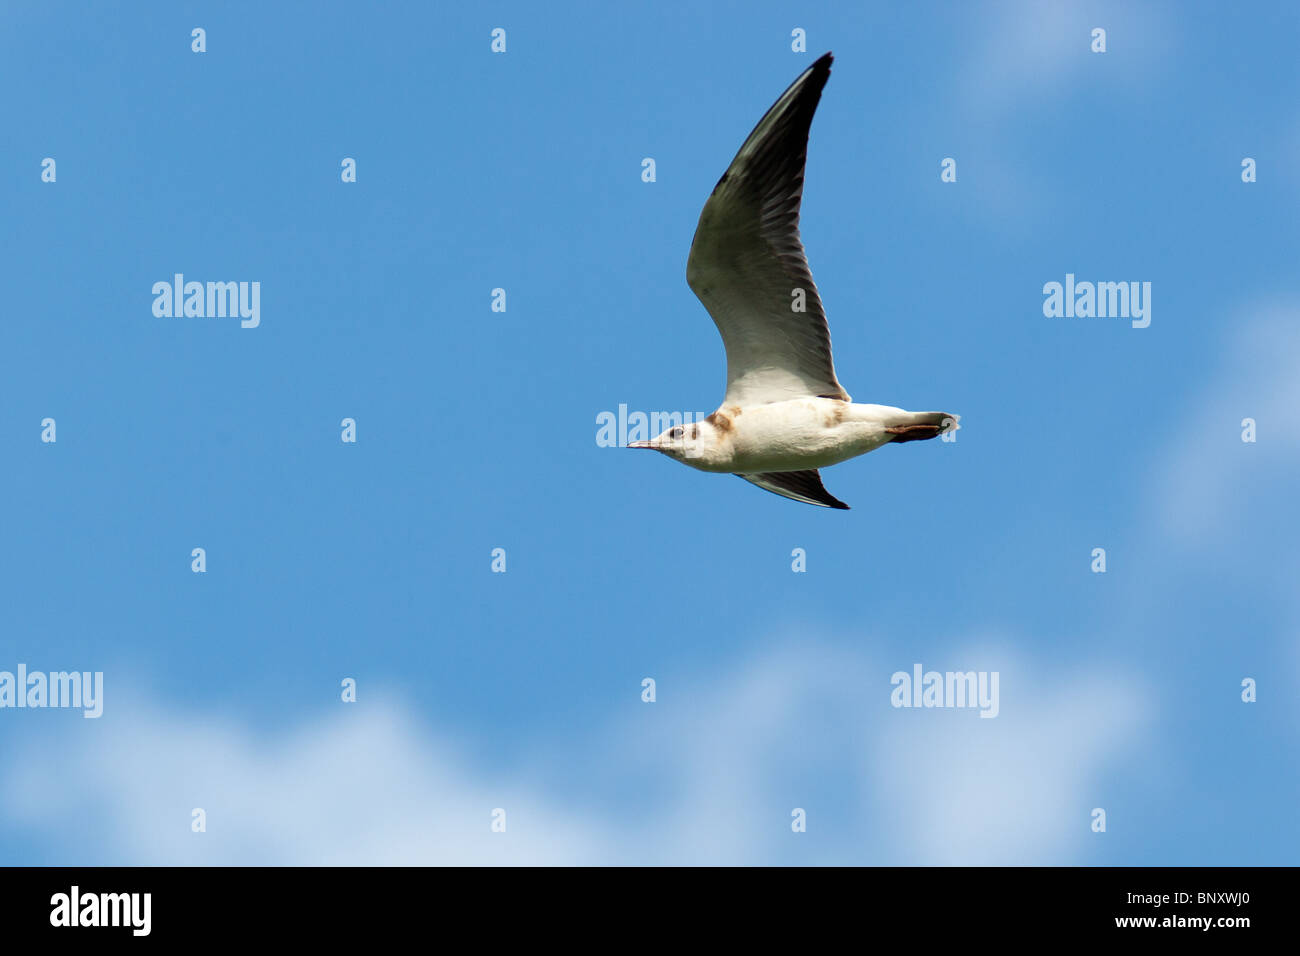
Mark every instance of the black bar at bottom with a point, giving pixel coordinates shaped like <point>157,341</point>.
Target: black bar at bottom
<point>330,903</point>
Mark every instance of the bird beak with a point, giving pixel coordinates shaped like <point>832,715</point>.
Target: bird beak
<point>640,444</point>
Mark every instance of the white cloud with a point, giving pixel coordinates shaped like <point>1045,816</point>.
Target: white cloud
<point>363,785</point>
<point>1209,478</point>
<point>1015,790</point>
<point>1035,55</point>
<point>726,764</point>
<point>1031,52</point>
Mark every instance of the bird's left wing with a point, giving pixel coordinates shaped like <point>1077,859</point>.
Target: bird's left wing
<point>805,486</point>
<point>747,263</point>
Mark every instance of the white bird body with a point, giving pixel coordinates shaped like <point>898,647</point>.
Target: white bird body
<point>793,435</point>
<point>785,414</point>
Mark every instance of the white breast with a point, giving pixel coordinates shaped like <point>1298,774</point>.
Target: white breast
<point>798,434</point>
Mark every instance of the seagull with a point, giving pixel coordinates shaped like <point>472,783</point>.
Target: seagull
<point>784,414</point>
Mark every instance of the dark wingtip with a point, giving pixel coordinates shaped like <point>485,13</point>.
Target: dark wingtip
<point>840,506</point>
<point>821,69</point>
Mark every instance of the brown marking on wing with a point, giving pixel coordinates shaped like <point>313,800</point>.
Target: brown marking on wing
<point>834,416</point>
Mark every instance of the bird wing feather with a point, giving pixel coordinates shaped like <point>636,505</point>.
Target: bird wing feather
<point>747,262</point>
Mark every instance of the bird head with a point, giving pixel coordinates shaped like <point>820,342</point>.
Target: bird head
<point>686,443</point>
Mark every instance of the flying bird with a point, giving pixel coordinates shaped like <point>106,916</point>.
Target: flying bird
<point>785,414</point>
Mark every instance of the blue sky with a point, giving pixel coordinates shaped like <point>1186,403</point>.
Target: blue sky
<point>476,430</point>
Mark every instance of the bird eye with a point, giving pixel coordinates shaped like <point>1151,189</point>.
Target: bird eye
<point>676,433</point>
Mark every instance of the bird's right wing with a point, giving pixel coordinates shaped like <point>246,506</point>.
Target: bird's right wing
<point>805,486</point>
<point>747,262</point>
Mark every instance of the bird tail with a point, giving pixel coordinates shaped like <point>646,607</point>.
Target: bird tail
<point>918,426</point>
